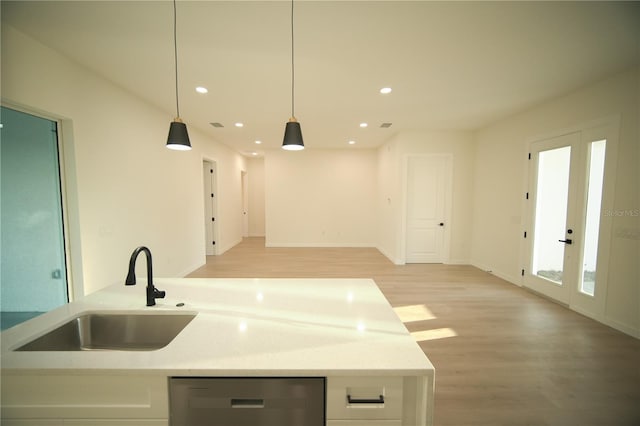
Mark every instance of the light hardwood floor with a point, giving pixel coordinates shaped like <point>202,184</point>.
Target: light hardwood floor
<point>503,356</point>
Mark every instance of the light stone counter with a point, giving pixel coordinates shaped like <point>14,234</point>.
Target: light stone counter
<point>243,327</point>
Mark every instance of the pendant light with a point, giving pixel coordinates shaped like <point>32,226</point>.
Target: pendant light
<point>292,132</point>
<point>178,138</point>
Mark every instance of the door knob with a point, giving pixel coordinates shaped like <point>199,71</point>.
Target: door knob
<point>441,224</point>
<point>567,241</point>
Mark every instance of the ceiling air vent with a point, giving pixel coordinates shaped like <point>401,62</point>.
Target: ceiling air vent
<point>385,125</point>
<point>216,124</point>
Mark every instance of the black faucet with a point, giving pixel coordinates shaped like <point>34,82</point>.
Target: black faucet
<point>152,292</point>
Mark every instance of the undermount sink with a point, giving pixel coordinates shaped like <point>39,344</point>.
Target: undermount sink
<point>112,331</point>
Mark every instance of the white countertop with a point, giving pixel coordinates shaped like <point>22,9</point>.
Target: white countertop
<point>244,327</point>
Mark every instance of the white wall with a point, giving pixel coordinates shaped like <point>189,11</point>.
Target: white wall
<point>320,198</point>
<point>130,190</point>
<point>255,173</point>
<point>391,195</point>
<point>389,202</point>
<point>500,174</point>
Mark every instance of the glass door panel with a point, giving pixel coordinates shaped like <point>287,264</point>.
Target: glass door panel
<point>33,260</point>
<point>551,252</point>
<point>552,196</point>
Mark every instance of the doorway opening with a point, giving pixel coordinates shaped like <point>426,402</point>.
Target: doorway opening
<point>33,254</point>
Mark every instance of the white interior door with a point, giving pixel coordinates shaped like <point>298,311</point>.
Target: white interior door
<point>427,191</point>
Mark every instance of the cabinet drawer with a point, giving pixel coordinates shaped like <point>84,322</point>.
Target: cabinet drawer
<point>364,398</point>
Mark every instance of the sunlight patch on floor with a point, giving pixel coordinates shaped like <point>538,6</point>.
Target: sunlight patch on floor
<point>413,313</point>
<point>436,333</point>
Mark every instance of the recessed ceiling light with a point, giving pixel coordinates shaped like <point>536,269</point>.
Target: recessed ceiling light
<point>258,142</point>
<point>239,124</point>
<point>254,153</point>
<point>363,125</point>
<point>352,142</point>
<point>385,90</point>
<point>201,89</point>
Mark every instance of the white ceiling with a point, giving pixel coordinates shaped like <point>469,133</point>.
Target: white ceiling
<point>452,65</point>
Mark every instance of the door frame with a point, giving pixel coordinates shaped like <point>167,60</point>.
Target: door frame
<point>448,191</point>
<point>244,194</point>
<point>68,194</point>
<point>215,225</point>
<point>603,128</point>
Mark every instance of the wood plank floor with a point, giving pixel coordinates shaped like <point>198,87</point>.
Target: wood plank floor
<point>503,355</point>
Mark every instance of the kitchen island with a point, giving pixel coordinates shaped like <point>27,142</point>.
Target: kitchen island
<point>343,330</point>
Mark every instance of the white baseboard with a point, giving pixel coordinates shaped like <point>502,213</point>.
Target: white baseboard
<point>321,245</point>
<point>515,280</point>
<point>457,262</point>
<point>626,329</point>
<point>393,260</point>
<point>222,250</point>
<point>191,269</point>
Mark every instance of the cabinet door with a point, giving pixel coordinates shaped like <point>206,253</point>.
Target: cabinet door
<point>84,397</point>
<point>364,398</point>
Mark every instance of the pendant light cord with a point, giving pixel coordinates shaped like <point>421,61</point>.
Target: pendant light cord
<point>175,55</point>
<point>293,72</point>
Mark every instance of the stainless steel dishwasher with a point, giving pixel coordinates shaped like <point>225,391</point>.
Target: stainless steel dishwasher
<point>247,401</point>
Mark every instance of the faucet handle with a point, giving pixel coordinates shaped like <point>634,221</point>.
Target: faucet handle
<point>153,294</point>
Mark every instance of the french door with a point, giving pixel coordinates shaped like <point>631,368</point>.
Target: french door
<point>564,244</point>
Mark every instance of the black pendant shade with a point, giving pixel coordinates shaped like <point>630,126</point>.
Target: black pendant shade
<point>178,136</point>
<point>292,132</point>
<point>293,136</point>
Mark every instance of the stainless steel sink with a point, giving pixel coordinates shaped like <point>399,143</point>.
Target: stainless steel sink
<point>112,331</point>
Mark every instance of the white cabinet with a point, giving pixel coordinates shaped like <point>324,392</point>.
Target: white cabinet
<point>364,399</point>
<point>90,400</point>
<point>380,401</point>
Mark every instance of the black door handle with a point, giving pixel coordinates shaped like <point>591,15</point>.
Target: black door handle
<point>567,241</point>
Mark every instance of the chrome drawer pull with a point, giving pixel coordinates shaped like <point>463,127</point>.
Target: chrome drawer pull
<point>380,400</point>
